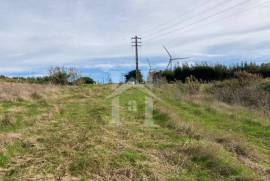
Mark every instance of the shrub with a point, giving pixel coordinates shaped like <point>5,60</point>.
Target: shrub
<point>85,80</point>
<point>130,76</point>
<point>62,76</point>
<point>245,78</point>
<point>244,90</point>
<point>266,86</point>
<point>169,75</point>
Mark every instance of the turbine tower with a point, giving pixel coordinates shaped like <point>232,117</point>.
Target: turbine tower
<point>171,59</point>
<point>149,64</point>
<point>150,77</point>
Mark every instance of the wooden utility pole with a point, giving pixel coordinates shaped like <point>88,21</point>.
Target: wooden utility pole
<point>136,42</point>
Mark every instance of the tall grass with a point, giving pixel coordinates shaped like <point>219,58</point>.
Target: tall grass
<point>18,91</point>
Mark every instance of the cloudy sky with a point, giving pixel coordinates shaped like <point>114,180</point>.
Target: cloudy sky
<point>94,35</point>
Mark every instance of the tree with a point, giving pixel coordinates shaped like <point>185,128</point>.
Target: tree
<point>62,76</point>
<point>85,80</point>
<point>132,76</point>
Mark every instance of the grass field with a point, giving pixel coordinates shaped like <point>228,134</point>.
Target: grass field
<point>63,133</point>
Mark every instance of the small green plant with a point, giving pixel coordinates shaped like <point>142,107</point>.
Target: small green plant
<point>131,156</point>
<point>11,151</point>
<point>79,165</point>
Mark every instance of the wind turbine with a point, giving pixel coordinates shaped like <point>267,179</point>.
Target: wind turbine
<point>149,64</point>
<point>170,64</point>
<point>150,77</point>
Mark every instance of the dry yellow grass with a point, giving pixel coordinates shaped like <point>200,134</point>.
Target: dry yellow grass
<point>18,91</point>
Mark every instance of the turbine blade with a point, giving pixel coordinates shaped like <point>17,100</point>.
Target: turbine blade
<point>167,52</point>
<point>180,58</point>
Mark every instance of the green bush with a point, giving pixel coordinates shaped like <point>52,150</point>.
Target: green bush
<point>85,80</point>
<point>130,76</point>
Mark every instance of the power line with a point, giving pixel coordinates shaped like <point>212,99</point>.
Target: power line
<point>191,25</point>
<point>201,20</point>
<point>173,21</point>
<point>187,18</point>
<point>253,7</point>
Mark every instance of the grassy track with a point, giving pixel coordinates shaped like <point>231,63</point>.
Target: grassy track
<point>68,137</point>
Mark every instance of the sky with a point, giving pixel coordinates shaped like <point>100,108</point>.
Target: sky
<point>94,36</point>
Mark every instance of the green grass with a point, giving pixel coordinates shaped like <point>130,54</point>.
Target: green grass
<point>70,137</point>
<point>130,157</point>
<point>10,151</point>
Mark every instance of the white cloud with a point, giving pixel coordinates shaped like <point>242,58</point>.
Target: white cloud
<point>49,32</point>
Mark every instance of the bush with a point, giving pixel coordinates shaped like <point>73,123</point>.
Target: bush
<point>169,75</point>
<point>266,86</point>
<point>246,90</point>
<point>245,78</point>
<point>62,76</point>
<point>130,76</point>
<point>85,80</point>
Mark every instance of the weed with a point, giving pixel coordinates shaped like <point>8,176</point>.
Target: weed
<point>128,156</point>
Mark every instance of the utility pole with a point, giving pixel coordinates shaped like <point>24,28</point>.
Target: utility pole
<point>136,42</point>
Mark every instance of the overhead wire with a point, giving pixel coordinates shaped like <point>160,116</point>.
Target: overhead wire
<point>185,19</point>
<point>198,21</point>
<point>262,4</point>
<point>159,27</point>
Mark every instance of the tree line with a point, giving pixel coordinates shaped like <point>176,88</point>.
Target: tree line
<point>207,73</point>
<point>56,75</point>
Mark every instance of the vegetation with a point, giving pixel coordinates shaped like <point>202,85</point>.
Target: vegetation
<point>131,76</point>
<point>52,132</point>
<point>56,76</point>
<point>85,80</point>
<point>206,73</point>
<point>246,89</point>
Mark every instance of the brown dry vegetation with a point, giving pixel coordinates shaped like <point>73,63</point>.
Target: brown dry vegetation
<point>24,91</point>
